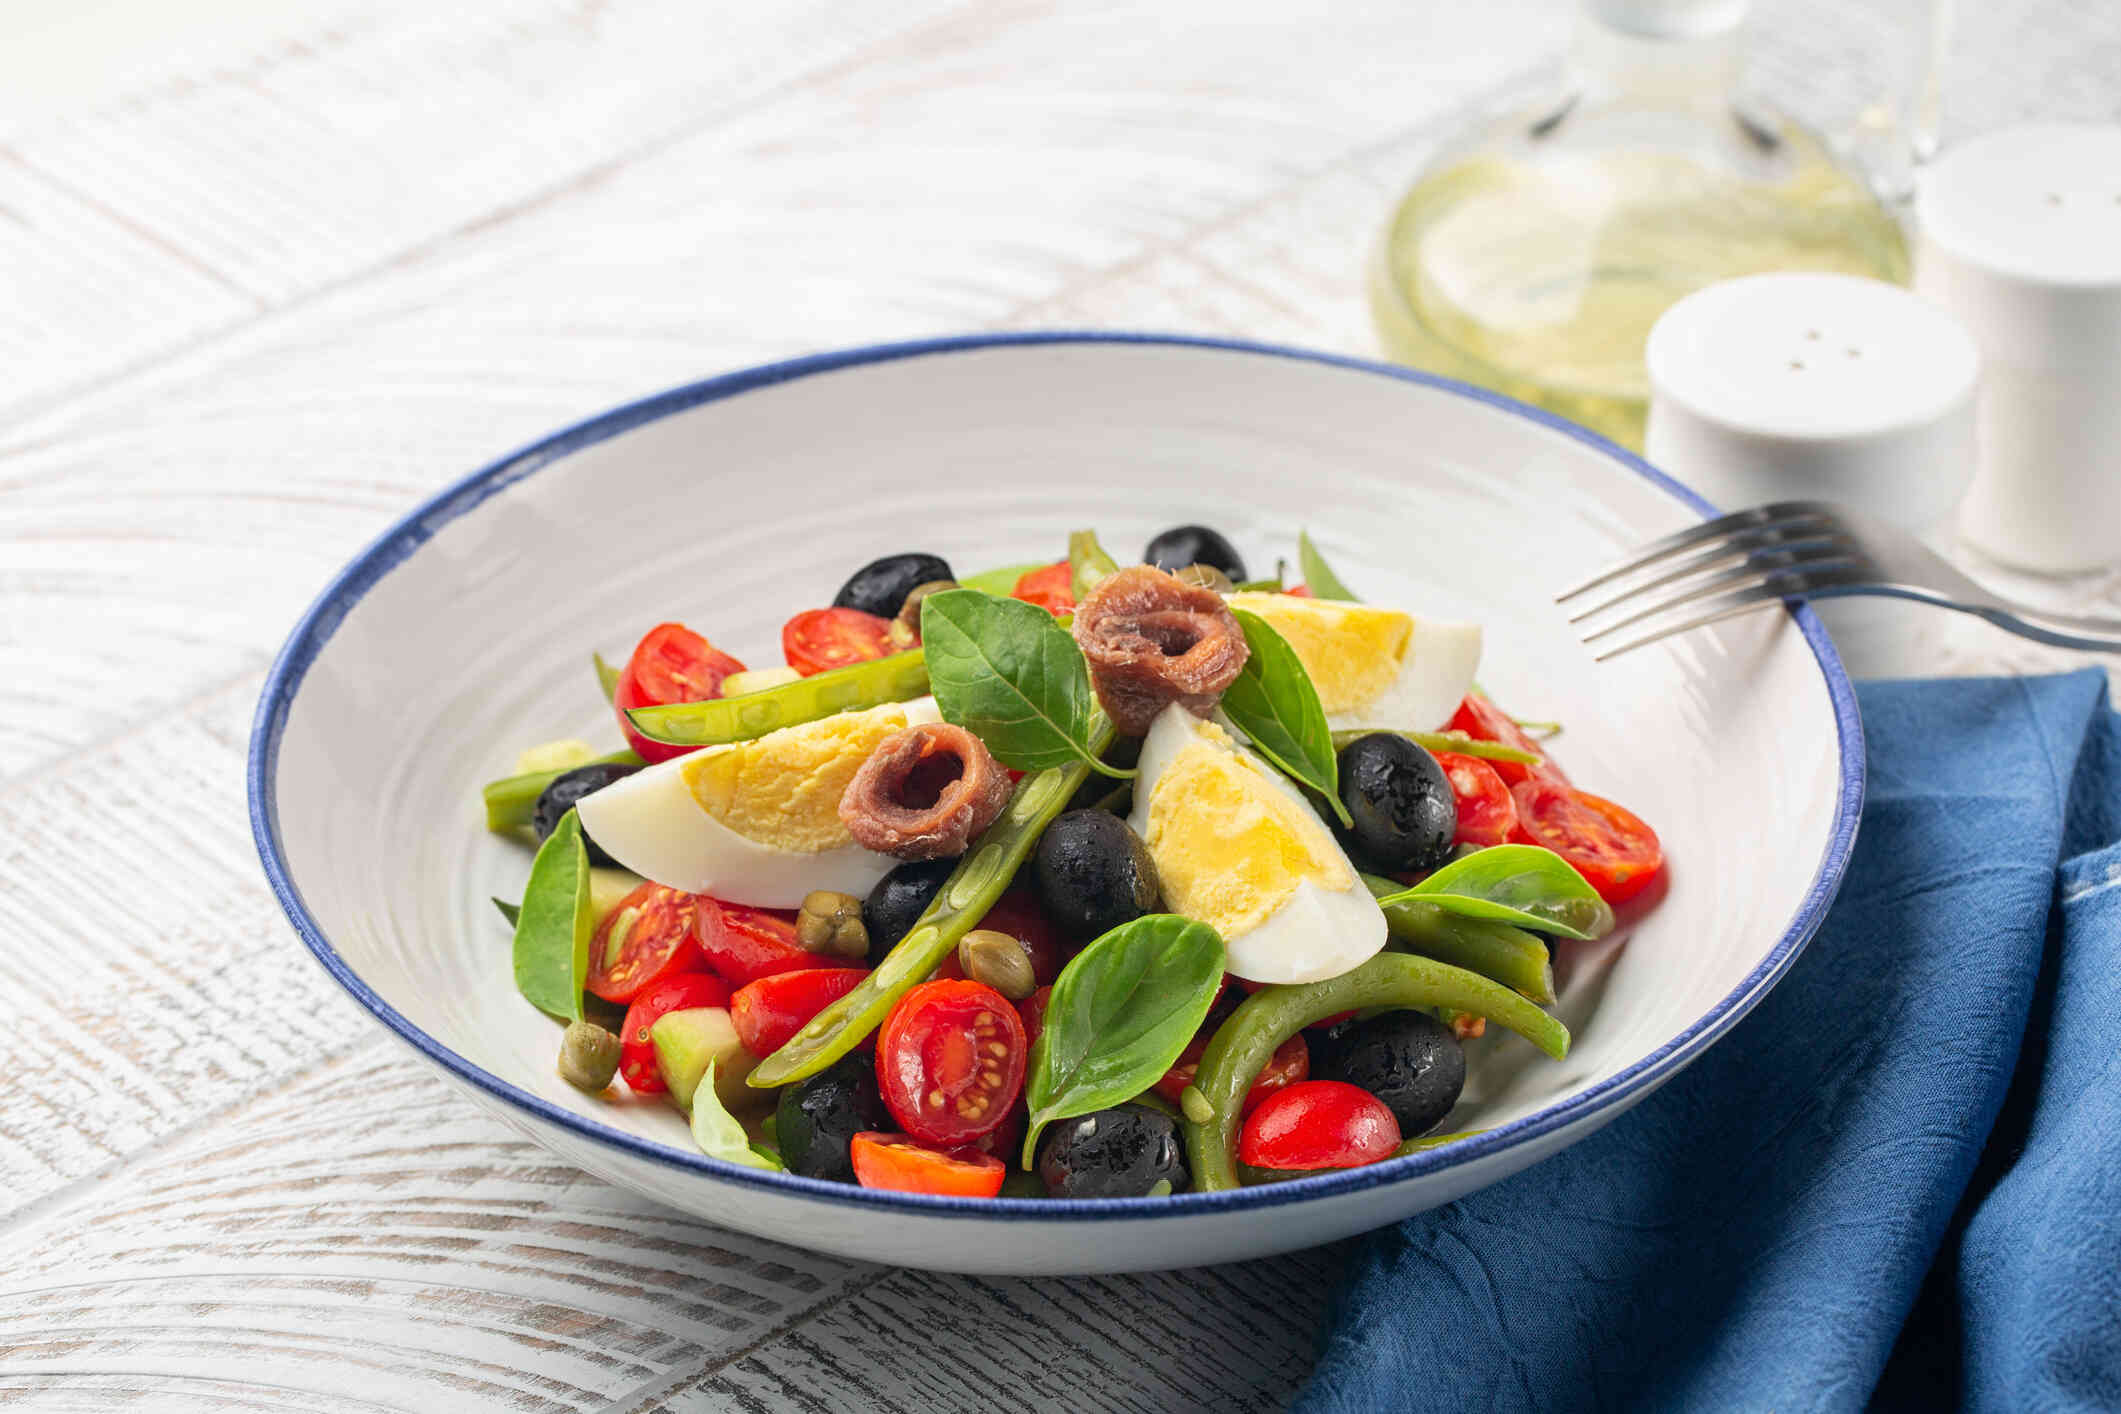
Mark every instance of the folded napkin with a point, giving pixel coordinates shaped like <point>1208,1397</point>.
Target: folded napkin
<point>1897,1183</point>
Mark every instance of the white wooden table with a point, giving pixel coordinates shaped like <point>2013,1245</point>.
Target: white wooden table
<point>270,274</point>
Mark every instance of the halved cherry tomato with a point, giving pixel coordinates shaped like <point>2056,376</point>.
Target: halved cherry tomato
<point>1607,844</point>
<point>670,664</point>
<point>769,1011</point>
<point>1019,914</point>
<point>1486,813</point>
<point>1483,720</point>
<point>1050,588</point>
<point>680,993</point>
<point>903,1165</point>
<point>1007,1142</point>
<point>1290,1063</point>
<point>1318,1124</point>
<point>744,944</point>
<point>1299,591</point>
<point>646,938</point>
<point>1032,1012</point>
<point>950,1061</point>
<point>817,639</point>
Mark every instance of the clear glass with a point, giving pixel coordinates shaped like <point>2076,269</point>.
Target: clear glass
<point>1534,256</point>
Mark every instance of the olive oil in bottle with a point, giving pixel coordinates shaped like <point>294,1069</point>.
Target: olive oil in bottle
<point>1533,258</point>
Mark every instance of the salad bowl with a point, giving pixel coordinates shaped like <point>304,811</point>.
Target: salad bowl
<point>465,633</point>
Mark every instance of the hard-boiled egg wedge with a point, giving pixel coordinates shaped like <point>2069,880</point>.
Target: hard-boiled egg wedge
<point>754,822</point>
<point>1238,848</point>
<point>1374,668</point>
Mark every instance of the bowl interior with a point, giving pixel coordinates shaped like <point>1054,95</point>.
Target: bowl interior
<point>466,636</point>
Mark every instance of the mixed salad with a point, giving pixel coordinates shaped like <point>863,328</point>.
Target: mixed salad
<point>1071,879</point>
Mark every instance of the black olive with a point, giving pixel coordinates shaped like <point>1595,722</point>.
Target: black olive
<point>881,586</point>
<point>898,900</point>
<point>818,1119</point>
<point>1122,1152</point>
<point>1094,873</point>
<point>1401,802</point>
<point>1184,545</point>
<point>568,787</point>
<point>1408,1059</point>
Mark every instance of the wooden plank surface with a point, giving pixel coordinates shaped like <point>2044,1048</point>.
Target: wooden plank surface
<point>274,276</point>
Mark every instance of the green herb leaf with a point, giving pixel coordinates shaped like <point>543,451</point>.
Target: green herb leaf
<point>1119,1016</point>
<point>718,1132</point>
<point>1318,575</point>
<point>607,676</point>
<point>1000,581</point>
<point>1454,741</point>
<point>509,911</point>
<point>1004,670</point>
<point>554,926</point>
<point>1520,884</point>
<point>901,677</point>
<point>1274,703</point>
<point>1087,564</point>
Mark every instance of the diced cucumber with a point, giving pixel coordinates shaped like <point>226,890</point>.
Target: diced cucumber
<point>685,1041</point>
<point>562,755</point>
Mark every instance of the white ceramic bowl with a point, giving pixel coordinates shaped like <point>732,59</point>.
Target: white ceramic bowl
<point>465,633</point>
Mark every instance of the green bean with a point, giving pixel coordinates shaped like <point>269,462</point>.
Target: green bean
<point>511,800</point>
<point>1087,563</point>
<point>979,879</point>
<point>753,714</point>
<point>1432,1141</point>
<point>1457,742</point>
<point>1498,951</point>
<point>1242,1044</point>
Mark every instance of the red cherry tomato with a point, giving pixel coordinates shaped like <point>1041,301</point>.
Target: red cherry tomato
<point>1007,1142</point>
<point>670,664</point>
<point>950,1061</point>
<point>1299,591</point>
<point>1484,721</point>
<point>1487,815</point>
<point>1019,914</point>
<point>1032,1012</point>
<point>744,944</point>
<point>1318,1124</point>
<point>902,1165</point>
<point>680,993</point>
<point>1051,589</point>
<point>656,942</point>
<point>1290,1063</point>
<point>817,639</point>
<point>1608,845</point>
<point>769,1011</point>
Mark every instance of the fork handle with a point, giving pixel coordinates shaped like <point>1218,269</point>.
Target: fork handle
<point>2088,632</point>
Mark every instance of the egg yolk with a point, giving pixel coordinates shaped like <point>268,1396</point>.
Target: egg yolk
<point>784,788</point>
<point>1352,651</point>
<point>1230,847</point>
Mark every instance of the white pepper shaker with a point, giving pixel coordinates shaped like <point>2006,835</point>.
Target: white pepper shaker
<point>2020,238</point>
<point>1799,386</point>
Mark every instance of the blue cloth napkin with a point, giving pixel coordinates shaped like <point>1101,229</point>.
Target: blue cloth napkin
<point>1896,1184</point>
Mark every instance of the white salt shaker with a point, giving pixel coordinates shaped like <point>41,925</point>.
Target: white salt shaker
<point>2020,238</point>
<point>1798,386</point>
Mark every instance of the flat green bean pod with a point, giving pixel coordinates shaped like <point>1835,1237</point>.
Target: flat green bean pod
<point>1242,1044</point>
<point>898,678</point>
<point>511,801</point>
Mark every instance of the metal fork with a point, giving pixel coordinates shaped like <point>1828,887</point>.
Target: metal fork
<point>1793,550</point>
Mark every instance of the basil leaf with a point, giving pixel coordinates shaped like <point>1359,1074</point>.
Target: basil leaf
<point>607,675</point>
<point>1318,575</point>
<point>1516,883</point>
<point>1453,741</point>
<point>1087,564</point>
<point>1119,1015</point>
<point>1006,671</point>
<point>718,1132</point>
<point>1000,581</point>
<point>553,928</point>
<point>509,911</point>
<point>1274,704</point>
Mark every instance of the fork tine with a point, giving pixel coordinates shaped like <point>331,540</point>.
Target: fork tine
<point>1739,578</point>
<point>1742,545</point>
<point>1789,514</point>
<point>1742,601</point>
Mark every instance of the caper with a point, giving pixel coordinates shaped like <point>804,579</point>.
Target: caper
<point>906,628</point>
<point>998,960</point>
<point>1207,577</point>
<point>589,1056</point>
<point>831,923</point>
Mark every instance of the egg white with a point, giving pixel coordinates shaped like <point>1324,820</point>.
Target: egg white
<point>651,823</point>
<point>1317,932</point>
<point>1432,680</point>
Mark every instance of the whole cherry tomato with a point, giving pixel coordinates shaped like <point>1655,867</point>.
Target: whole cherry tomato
<point>1318,1124</point>
<point>680,993</point>
<point>769,1011</point>
<point>950,1061</point>
<point>744,944</point>
<point>818,639</point>
<point>1616,852</point>
<point>1487,815</point>
<point>670,664</point>
<point>646,938</point>
<point>1051,588</point>
<point>904,1165</point>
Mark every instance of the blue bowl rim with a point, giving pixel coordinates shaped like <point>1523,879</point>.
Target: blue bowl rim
<point>403,538</point>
